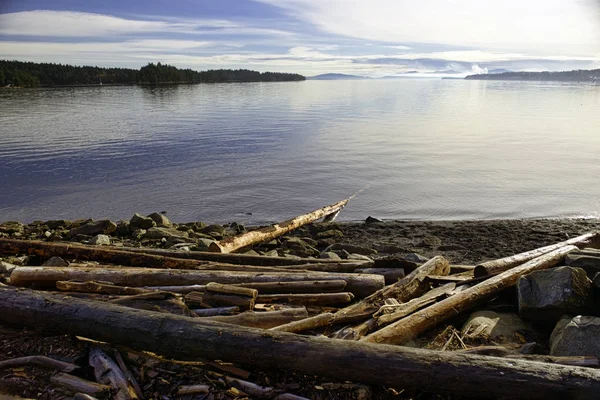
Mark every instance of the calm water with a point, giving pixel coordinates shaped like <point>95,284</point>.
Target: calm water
<point>427,149</point>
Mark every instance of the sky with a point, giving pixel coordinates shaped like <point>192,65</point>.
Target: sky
<point>363,37</point>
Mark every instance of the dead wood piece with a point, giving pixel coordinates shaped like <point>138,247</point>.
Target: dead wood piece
<point>296,287</point>
<point>108,372</point>
<point>213,312</point>
<point>506,263</point>
<point>231,244</point>
<point>143,296</point>
<point>307,298</point>
<point>97,287</point>
<point>46,277</point>
<point>193,389</point>
<point>195,299</point>
<point>449,278</point>
<point>215,299</point>
<point>306,324</point>
<point>75,384</point>
<point>38,361</point>
<point>178,289</point>
<point>412,285</point>
<point>6,268</point>
<point>458,268</point>
<point>429,317</point>
<point>231,289</point>
<point>252,389</point>
<point>265,319</point>
<point>391,275</point>
<point>391,366</point>
<point>210,267</point>
<point>500,351</point>
<point>130,378</point>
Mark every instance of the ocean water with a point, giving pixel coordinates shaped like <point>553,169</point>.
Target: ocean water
<point>262,152</point>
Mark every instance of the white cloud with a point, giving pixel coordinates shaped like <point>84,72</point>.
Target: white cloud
<point>79,24</point>
<point>551,26</point>
<point>399,47</point>
<point>476,69</point>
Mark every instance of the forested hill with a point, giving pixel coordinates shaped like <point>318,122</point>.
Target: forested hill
<point>29,74</point>
<point>582,75</point>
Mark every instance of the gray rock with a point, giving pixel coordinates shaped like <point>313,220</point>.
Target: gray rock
<point>578,336</point>
<point>415,257</point>
<point>141,222</point>
<point>365,251</point>
<point>100,240</point>
<point>160,219</point>
<point>303,241</point>
<point>213,229</point>
<point>12,228</point>
<point>331,233</point>
<point>203,244</point>
<point>373,220</point>
<point>502,327</point>
<point>123,229</point>
<point>544,296</point>
<point>329,255</point>
<point>58,224</point>
<point>93,228</point>
<point>159,232</point>
<point>55,262</point>
<point>81,238</point>
<point>272,253</point>
<point>137,234</point>
<point>301,248</point>
<point>590,263</point>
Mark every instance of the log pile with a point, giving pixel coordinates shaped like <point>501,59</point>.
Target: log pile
<point>344,319</point>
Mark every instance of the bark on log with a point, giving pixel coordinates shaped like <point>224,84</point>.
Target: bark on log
<point>264,320</point>
<point>75,384</point>
<point>230,289</point>
<point>412,285</point>
<point>391,275</point>
<point>231,244</point>
<point>297,287</point>
<point>196,299</point>
<point>315,299</point>
<point>506,263</point>
<point>306,324</point>
<point>213,312</point>
<point>360,284</point>
<point>427,318</point>
<point>391,366</point>
<point>207,267</point>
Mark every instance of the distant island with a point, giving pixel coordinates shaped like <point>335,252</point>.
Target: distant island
<point>581,75</point>
<point>335,77</point>
<point>29,74</point>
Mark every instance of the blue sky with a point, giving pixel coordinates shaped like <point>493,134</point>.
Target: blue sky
<point>366,37</point>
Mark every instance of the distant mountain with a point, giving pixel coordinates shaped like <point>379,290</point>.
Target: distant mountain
<point>335,77</point>
<point>592,75</point>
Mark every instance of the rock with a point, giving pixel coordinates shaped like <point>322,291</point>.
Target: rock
<point>12,228</point>
<point>300,247</point>
<point>590,263</point>
<point>319,227</point>
<point>137,234</point>
<point>158,232</point>
<point>100,240</point>
<point>359,257</point>
<point>237,228</point>
<point>324,243</point>
<point>365,251</point>
<point>92,228</point>
<point>415,257</point>
<point>532,348</point>
<point>123,229</point>
<point>141,222</point>
<point>544,296</point>
<point>81,238</point>
<point>373,220</point>
<point>214,229</point>
<point>578,336</point>
<point>331,233</point>
<point>160,219</point>
<point>302,241</point>
<point>502,327</point>
<point>55,262</point>
<point>58,224</point>
<point>272,253</point>
<point>329,255</point>
<point>203,244</point>
<point>251,253</point>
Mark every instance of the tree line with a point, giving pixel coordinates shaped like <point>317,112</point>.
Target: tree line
<point>581,75</point>
<point>29,74</point>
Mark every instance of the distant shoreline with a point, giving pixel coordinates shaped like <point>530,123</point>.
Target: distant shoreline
<point>576,76</point>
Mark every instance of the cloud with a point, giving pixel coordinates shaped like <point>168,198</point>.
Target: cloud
<point>476,69</point>
<point>551,26</point>
<point>47,23</point>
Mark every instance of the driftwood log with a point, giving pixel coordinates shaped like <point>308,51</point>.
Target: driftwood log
<point>359,284</point>
<point>75,384</point>
<point>429,317</point>
<point>506,263</point>
<point>392,366</point>
<point>297,287</point>
<point>316,321</point>
<point>412,285</point>
<point>231,244</point>
<point>315,299</point>
<point>265,319</point>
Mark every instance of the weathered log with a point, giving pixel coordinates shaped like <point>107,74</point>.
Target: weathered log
<point>6,268</point>
<point>264,320</point>
<point>128,374</point>
<point>142,296</point>
<point>402,310</point>
<point>412,285</point>
<point>252,389</point>
<point>178,289</point>
<point>233,243</point>
<point>215,299</point>
<point>391,366</point>
<point>97,287</point>
<point>296,287</point>
<point>427,318</point>
<point>306,324</point>
<point>391,275</point>
<point>506,263</point>
<point>75,384</point>
<point>206,267</point>
<point>213,312</point>
<point>196,299</point>
<point>38,361</point>
<point>231,289</point>
<point>193,389</point>
<point>500,351</point>
<point>320,299</point>
<point>360,284</point>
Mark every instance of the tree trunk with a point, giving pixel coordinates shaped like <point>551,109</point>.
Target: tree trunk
<point>315,299</point>
<point>306,324</point>
<point>412,285</point>
<point>187,338</point>
<point>506,263</point>
<point>391,275</point>
<point>297,287</point>
<point>265,319</point>
<point>360,284</point>
<point>427,318</point>
<point>231,244</point>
